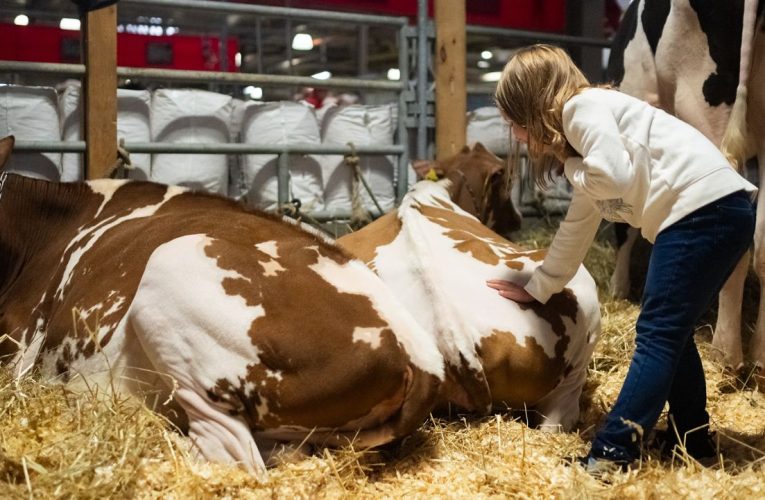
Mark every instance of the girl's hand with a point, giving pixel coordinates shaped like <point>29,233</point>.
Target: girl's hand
<point>510,290</point>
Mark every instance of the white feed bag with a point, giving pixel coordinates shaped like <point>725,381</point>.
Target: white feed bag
<point>278,123</point>
<point>132,125</point>
<point>196,117</point>
<point>31,114</point>
<point>486,125</point>
<point>362,126</point>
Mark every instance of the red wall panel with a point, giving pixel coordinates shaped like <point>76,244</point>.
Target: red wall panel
<point>51,44</point>
<point>545,15</point>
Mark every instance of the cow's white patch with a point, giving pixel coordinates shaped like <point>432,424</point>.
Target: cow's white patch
<point>201,334</point>
<point>269,248</point>
<point>371,336</point>
<point>93,234</point>
<point>106,188</point>
<point>354,277</point>
<point>26,355</point>
<point>456,306</point>
<point>271,268</point>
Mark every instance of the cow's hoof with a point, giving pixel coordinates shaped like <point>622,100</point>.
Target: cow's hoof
<point>733,380</point>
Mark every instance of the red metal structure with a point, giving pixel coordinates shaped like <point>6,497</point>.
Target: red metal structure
<point>51,44</point>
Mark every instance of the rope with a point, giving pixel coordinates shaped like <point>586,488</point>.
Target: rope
<point>359,215</point>
<point>3,177</point>
<point>292,209</point>
<point>123,164</point>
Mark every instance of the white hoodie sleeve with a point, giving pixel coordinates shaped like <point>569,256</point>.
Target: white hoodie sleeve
<point>568,248</point>
<point>604,171</point>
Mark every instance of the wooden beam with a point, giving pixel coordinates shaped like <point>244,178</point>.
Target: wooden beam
<point>99,99</point>
<point>451,95</point>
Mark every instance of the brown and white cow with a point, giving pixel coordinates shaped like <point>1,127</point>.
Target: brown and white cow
<point>437,257</point>
<point>688,58</point>
<point>255,329</point>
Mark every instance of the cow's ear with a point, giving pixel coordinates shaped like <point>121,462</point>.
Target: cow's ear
<point>427,169</point>
<point>6,146</point>
<point>479,147</point>
<point>465,149</point>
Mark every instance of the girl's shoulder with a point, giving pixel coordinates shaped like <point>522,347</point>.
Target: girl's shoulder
<point>600,96</point>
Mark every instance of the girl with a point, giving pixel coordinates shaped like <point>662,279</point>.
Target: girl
<point>630,162</point>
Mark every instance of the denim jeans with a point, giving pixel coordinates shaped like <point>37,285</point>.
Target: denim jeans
<point>690,261</point>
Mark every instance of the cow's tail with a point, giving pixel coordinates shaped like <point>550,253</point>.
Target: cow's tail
<point>735,142</point>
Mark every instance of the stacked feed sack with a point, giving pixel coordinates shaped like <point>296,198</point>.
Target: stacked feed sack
<point>280,123</point>
<point>362,125</point>
<point>486,125</point>
<point>31,114</point>
<point>133,125</point>
<point>191,116</point>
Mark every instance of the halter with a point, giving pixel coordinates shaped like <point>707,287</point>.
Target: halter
<point>3,176</point>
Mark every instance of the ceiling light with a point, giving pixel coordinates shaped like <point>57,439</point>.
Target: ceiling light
<point>253,92</point>
<point>492,76</point>
<point>302,41</point>
<point>69,23</point>
<point>322,75</point>
<point>486,54</point>
<point>483,64</point>
<point>394,74</point>
<point>21,20</point>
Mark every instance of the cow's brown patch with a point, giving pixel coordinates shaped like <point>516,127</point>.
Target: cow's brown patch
<point>364,244</point>
<point>520,374</point>
<point>473,238</point>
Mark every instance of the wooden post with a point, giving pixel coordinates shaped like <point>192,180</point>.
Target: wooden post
<point>451,95</point>
<point>99,99</point>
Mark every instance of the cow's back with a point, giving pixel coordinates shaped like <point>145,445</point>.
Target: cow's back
<point>438,263</point>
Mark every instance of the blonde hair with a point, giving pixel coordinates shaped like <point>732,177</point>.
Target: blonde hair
<point>535,84</point>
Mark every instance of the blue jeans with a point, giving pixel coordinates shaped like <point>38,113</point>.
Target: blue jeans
<point>690,261</point>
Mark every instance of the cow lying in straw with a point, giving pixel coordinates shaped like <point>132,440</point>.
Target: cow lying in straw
<point>253,328</point>
<point>436,257</point>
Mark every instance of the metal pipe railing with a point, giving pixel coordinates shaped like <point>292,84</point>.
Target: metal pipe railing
<point>272,11</point>
<point>212,148</point>
<point>189,76</point>
<point>537,36</point>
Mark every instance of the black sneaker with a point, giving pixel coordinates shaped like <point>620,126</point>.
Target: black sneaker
<point>701,445</point>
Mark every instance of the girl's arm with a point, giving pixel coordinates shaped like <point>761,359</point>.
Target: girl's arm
<point>604,171</point>
<point>568,248</point>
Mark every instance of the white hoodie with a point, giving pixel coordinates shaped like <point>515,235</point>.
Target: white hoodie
<point>638,165</point>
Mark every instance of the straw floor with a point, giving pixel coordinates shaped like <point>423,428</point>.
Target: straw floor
<point>56,444</point>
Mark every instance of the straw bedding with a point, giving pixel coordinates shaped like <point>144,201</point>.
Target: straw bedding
<point>54,443</point>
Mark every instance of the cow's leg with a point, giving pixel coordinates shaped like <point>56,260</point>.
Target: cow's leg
<point>757,343</point>
<point>727,336</point>
<point>194,332</point>
<point>218,436</point>
<point>626,237</point>
<point>560,408</point>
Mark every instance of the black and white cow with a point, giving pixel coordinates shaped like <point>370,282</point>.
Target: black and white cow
<point>687,57</point>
